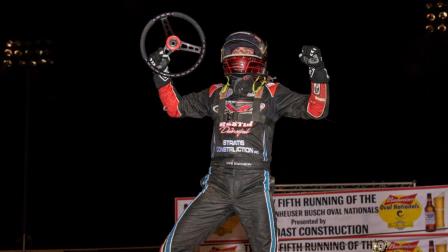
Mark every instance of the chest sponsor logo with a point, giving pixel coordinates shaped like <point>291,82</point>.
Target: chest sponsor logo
<point>236,128</point>
<point>242,107</point>
<point>235,146</point>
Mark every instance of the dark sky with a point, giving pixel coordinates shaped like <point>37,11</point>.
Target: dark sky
<point>105,162</point>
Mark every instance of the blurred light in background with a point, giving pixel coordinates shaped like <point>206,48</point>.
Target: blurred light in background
<point>436,15</point>
<point>27,53</point>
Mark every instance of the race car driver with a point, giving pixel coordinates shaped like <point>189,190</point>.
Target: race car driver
<point>244,110</point>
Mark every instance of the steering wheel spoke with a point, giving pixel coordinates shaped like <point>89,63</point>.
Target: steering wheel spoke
<point>166,26</point>
<point>190,48</point>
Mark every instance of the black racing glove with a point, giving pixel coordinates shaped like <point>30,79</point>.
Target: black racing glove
<point>160,60</point>
<point>312,57</point>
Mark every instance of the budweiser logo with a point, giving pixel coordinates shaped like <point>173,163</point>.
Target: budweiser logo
<point>406,200</point>
<point>407,246</point>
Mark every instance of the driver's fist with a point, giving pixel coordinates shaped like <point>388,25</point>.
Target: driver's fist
<point>159,59</point>
<point>312,57</point>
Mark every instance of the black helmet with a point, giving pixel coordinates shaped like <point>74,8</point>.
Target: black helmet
<point>244,53</point>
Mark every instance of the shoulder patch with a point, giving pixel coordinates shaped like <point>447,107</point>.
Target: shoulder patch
<point>272,87</point>
<point>213,88</point>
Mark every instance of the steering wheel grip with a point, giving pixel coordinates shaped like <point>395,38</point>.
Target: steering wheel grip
<point>173,42</point>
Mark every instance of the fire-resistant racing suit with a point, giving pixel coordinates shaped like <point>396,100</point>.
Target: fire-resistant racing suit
<point>244,112</point>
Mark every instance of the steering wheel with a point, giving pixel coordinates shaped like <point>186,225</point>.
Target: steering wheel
<point>173,42</point>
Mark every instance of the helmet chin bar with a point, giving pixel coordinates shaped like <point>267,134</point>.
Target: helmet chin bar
<point>243,85</point>
<point>237,65</point>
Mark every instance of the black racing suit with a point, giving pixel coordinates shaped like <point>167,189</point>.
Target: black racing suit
<point>239,180</point>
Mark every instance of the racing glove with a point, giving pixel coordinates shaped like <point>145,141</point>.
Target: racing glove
<point>160,60</point>
<point>312,57</point>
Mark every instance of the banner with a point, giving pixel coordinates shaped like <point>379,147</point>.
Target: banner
<point>342,217</point>
<point>368,212</point>
<point>365,245</point>
<point>336,245</point>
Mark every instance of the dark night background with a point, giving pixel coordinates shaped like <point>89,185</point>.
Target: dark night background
<point>106,162</point>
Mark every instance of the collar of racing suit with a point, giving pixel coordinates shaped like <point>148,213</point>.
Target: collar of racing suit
<point>243,85</point>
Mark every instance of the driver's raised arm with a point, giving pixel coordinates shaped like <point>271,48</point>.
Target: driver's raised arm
<point>192,105</point>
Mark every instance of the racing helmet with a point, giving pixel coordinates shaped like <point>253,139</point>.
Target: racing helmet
<point>244,53</point>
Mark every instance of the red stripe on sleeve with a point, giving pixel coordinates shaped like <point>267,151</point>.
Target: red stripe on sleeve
<point>317,100</point>
<point>169,100</point>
